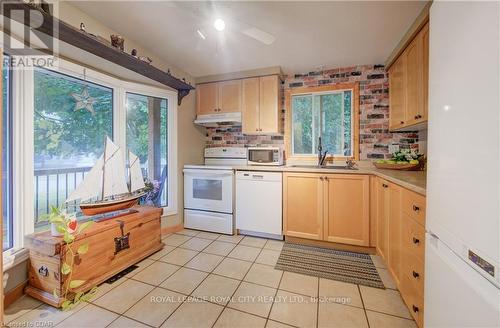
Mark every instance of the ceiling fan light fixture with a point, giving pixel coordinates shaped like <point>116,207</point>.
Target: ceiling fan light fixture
<point>201,34</point>
<point>219,24</point>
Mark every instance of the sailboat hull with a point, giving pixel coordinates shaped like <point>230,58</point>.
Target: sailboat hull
<point>97,208</point>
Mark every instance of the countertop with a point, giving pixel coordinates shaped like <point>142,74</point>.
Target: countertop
<point>412,180</point>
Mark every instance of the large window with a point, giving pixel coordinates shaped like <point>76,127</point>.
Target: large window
<point>147,137</point>
<point>326,114</point>
<point>72,118</point>
<point>60,119</point>
<point>8,227</point>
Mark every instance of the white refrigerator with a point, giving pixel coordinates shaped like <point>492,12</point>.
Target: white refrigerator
<point>462,275</point>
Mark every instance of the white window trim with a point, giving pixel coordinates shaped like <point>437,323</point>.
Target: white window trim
<point>171,97</point>
<point>23,140</point>
<point>314,146</point>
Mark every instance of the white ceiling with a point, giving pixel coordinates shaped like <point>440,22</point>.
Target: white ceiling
<point>309,35</point>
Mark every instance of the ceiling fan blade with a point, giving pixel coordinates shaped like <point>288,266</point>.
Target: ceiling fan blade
<point>259,35</point>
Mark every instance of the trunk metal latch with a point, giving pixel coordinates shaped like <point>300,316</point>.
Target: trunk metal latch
<point>122,242</point>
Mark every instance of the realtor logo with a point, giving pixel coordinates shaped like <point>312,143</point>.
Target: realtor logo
<point>30,34</point>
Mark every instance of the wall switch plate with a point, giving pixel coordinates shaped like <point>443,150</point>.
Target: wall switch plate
<point>393,148</point>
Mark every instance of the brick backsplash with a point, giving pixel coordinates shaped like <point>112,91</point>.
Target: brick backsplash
<point>374,138</point>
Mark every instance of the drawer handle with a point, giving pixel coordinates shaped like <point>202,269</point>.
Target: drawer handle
<point>415,274</point>
<point>255,176</point>
<point>415,308</point>
<point>416,240</point>
<point>416,208</point>
<point>43,271</point>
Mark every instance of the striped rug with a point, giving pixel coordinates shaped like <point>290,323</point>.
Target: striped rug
<point>355,268</point>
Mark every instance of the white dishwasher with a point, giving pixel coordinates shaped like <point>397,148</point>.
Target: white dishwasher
<point>259,203</point>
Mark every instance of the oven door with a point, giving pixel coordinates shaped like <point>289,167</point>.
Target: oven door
<point>209,190</point>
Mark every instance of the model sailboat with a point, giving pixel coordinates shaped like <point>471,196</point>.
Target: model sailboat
<point>104,189</point>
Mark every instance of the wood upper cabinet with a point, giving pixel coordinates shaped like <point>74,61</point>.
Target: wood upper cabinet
<point>260,105</point>
<point>229,96</point>
<point>251,105</point>
<point>329,207</point>
<point>347,209</point>
<point>425,45</point>
<point>408,83</point>
<point>269,104</point>
<point>207,98</point>
<point>303,205</point>
<point>218,97</point>
<point>414,56</point>
<point>397,95</point>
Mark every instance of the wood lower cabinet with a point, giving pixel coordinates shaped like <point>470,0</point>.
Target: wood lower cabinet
<point>383,203</point>
<point>401,241</point>
<point>394,232</point>
<point>347,211</point>
<point>303,205</point>
<point>329,207</point>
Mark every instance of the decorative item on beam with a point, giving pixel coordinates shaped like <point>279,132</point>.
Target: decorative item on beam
<point>81,38</point>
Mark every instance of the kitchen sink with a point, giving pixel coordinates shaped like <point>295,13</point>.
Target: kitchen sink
<point>330,167</point>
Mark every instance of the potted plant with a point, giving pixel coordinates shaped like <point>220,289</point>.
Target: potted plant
<point>152,189</point>
<point>67,226</point>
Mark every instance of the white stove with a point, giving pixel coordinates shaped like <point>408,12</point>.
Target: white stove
<point>209,190</point>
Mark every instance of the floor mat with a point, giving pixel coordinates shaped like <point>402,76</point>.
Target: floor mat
<point>351,267</point>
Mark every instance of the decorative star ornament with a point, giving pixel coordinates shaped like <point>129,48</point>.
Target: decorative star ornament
<point>84,101</point>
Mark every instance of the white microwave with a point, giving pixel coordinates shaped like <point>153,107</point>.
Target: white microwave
<point>272,156</point>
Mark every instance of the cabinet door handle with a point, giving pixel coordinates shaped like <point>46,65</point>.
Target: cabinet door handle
<point>414,308</point>
<point>402,122</point>
<point>416,208</point>
<point>326,178</point>
<point>384,185</point>
<point>43,271</point>
<point>416,117</point>
<point>415,274</point>
<point>321,178</point>
<point>419,116</point>
<point>416,240</point>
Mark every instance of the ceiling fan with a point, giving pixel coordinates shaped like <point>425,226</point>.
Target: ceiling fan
<point>210,12</point>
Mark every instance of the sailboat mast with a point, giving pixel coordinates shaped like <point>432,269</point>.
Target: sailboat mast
<point>129,174</point>
<point>104,167</point>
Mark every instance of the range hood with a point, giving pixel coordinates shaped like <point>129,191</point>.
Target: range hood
<point>219,120</point>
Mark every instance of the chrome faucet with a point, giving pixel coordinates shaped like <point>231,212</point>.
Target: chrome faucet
<point>321,155</point>
<point>350,164</point>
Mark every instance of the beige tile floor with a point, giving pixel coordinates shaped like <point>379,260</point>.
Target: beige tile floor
<point>209,280</point>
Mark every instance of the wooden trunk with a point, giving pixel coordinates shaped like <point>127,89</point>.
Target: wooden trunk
<point>102,260</point>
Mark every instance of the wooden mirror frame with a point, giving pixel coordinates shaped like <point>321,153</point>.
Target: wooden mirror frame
<point>354,86</point>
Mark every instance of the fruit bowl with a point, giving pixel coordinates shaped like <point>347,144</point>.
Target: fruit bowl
<point>415,165</point>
